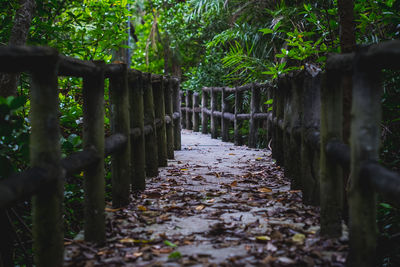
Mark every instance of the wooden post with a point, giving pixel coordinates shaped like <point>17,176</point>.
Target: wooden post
<point>169,112</point>
<point>204,116</point>
<point>189,122</point>
<point>214,120</point>
<point>238,123</point>
<point>150,138</point>
<point>254,108</point>
<point>365,141</point>
<point>182,102</point>
<point>93,137</point>
<point>120,167</point>
<point>138,161</point>
<point>45,152</point>
<point>196,115</point>
<point>331,173</point>
<point>224,122</point>
<point>159,112</point>
<point>177,111</point>
<point>295,130</point>
<point>287,112</point>
<point>310,110</point>
<point>279,113</point>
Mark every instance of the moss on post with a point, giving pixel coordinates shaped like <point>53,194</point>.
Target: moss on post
<point>177,110</point>
<point>254,108</point>
<point>45,152</point>
<point>224,122</point>
<point>120,167</point>
<point>204,116</point>
<point>151,138</point>
<point>365,142</point>
<point>331,173</point>
<point>157,82</point>
<point>169,111</point>
<point>138,161</point>
<point>93,137</point>
<point>196,115</point>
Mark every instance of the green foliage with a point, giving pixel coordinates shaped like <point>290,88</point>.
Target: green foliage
<point>14,135</point>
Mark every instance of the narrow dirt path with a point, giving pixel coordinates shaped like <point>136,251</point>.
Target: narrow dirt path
<point>215,205</point>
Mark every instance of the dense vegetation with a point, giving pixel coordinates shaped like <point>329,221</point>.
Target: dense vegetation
<point>206,43</point>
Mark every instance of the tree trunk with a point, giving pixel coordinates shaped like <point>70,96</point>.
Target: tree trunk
<point>19,35</point>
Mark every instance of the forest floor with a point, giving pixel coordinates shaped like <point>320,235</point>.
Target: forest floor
<point>216,204</point>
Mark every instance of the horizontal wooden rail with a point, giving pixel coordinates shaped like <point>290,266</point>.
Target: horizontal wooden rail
<point>305,131</point>
<point>145,125</point>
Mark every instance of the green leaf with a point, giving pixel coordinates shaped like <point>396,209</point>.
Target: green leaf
<point>176,255</point>
<point>266,31</point>
<point>168,243</point>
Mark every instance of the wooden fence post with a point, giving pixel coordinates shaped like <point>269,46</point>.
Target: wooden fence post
<point>157,82</point>
<point>45,152</point>
<point>183,105</point>
<point>238,123</point>
<point>150,130</point>
<point>331,173</point>
<point>224,122</point>
<point>279,114</point>
<point>196,115</point>
<point>295,130</point>
<point>119,98</point>
<point>287,112</point>
<point>311,110</point>
<point>189,122</point>
<point>254,108</point>
<point>214,121</point>
<point>93,137</point>
<point>170,113</point>
<point>138,161</point>
<point>365,141</point>
<point>204,116</point>
<point>177,113</point>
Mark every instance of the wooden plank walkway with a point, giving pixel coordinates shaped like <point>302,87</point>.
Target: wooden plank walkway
<point>216,204</point>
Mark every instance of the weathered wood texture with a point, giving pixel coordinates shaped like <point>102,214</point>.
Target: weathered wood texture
<point>365,141</point>
<point>177,113</point>
<point>169,111</point>
<point>331,173</point>
<point>157,82</point>
<point>45,153</point>
<point>138,161</point>
<point>225,122</point>
<point>204,114</point>
<point>196,115</point>
<point>238,124</point>
<point>151,150</point>
<point>189,104</point>
<point>214,121</point>
<point>93,137</point>
<point>120,165</point>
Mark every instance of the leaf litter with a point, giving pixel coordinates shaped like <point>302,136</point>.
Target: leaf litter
<point>196,213</point>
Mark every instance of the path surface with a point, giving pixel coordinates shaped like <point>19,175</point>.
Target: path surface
<point>215,205</point>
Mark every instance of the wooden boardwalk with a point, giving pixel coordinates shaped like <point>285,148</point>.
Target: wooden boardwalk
<point>216,204</point>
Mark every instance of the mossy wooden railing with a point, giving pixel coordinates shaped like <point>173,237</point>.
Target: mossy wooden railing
<point>145,123</point>
<point>306,128</point>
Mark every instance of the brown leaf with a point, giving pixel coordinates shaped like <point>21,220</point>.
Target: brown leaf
<point>264,190</point>
<point>200,207</point>
<point>234,183</point>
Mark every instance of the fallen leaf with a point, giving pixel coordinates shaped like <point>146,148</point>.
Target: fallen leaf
<point>263,238</point>
<point>298,238</point>
<point>234,183</point>
<point>142,208</point>
<point>264,190</point>
<point>175,255</point>
<point>232,154</point>
<point>112,210</point>
<point>168,243</point>
<point>184,170</point>
<point>200,207</point>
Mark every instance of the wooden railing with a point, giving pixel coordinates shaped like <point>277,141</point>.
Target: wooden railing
<point>145,123</point>
<point>306,129</point>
